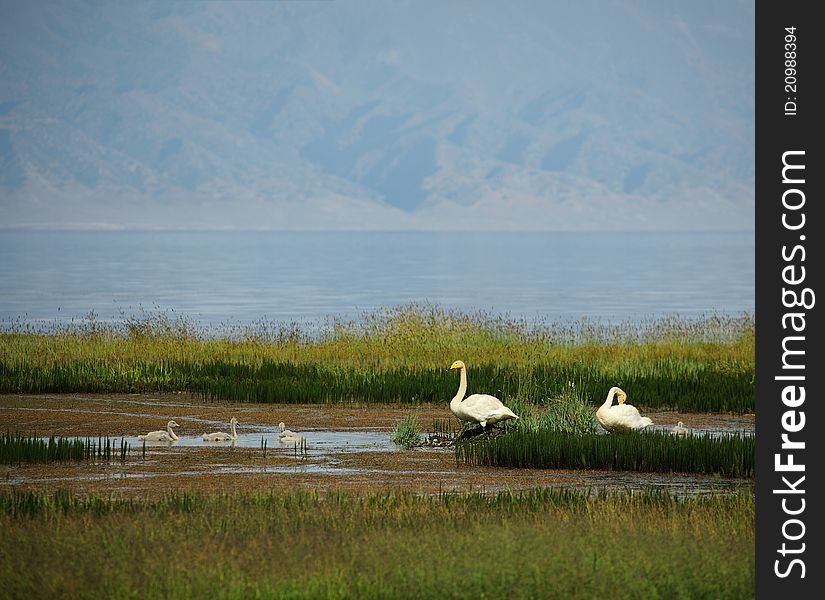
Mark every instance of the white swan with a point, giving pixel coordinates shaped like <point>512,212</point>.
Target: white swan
<point>288,437</point>
<point>478,408</point>
<point>622,417</point>
<point>679,429</point>
<point>161,435</point>
<point>220,436</point>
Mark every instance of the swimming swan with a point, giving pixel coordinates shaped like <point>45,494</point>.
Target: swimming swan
<point>622,417</point>
<point>288,437</point>
<point>220,436</point>
<point>478,408</point>
<point>679,429</point>
<point>161,436</point>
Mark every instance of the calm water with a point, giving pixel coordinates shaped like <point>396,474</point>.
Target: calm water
<point>239,277</point>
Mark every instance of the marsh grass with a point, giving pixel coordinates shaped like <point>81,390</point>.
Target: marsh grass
<point>16,448</point>
<point>397,355</point>
<point>541,543</point>
<point>407,432</point>
<point>569,413</point>
<point>653,451</point>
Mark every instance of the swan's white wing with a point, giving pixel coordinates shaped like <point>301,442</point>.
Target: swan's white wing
<point>479,405</point>
<point>483,407</point>
<point>294,438</point>
<point>155,436</point>
<point>622,416</point>
<point>625,411</point>
<point>290,437</point>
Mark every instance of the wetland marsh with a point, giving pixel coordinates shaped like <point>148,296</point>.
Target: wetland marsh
<point>672,503</point>
<point>347,447</point>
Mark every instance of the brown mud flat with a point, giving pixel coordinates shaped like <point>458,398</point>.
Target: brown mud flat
<point>118,415</point>
<point>328,465</point>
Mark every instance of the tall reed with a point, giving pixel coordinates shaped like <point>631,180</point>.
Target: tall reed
<point>398,355</point>
<point>16,448</point>
<point>653,451</point>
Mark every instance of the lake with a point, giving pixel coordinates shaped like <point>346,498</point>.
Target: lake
<point>241,277</point>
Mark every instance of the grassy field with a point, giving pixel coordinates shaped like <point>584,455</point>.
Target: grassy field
<point>299,545</point>
<point>400,355</point>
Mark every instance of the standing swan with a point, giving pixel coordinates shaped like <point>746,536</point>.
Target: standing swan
<point>220,436</point>
<point>478,408</point>
<point>622,417</point>
<point>288,437</point>
<point>161,436</point>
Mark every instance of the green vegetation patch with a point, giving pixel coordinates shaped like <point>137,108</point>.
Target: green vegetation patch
<point>651,451</point>
<point>539,544</point>
<point>401,355</point>
<point>15,449</point>
<point>407,432</point>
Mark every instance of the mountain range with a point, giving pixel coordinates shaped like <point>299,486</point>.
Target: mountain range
<point>377,115</point>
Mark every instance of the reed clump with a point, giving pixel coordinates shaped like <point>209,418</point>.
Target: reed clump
<point>731,455</point>
<point>407,432</point>
<point>16,448</point>
<point>392,356</point>
<point>569,413</point>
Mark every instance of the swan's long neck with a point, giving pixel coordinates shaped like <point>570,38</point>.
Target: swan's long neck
<point>609,401</point>
<point>462,389</point>
<point>234,434</point>
<point>171,433</point>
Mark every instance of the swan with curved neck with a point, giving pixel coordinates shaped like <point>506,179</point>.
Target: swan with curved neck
<point>478,408</point>
<point>622,417</point>
<point>161,436</point>
<point>288,437</point>
<point>220,436</point>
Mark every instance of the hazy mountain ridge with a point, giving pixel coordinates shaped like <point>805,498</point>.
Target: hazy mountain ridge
<point>339,115</point>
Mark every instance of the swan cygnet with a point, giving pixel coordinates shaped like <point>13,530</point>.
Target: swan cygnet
<point>622,417</point>
<point>680,429</point>
<point>161,436</point>
<point>288,437</point>
<point>478,408</point>
<point>220,436</point>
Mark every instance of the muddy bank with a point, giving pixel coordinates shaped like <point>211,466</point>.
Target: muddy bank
<point>347,447</point>
<point>131,414</point>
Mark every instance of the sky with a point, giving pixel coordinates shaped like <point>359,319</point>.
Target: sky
<point>584,116</point>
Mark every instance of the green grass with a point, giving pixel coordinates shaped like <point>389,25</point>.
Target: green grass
<point>407,432</point>
<point>569,413</point>
<point>652,451</point>
<point>399,355</point>
<point>16,449</point>
<point>536,544</point>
